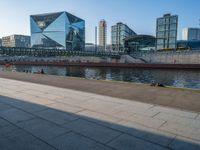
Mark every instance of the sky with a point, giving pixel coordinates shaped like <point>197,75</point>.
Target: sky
<point>139,15</point>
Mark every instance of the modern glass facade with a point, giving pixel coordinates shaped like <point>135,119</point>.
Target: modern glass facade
<point>57,30</point>
<point>166,32</point>
<point>119,32</point>
<point>188,45</point>
<point>140,43</point>
<point>191,34</point>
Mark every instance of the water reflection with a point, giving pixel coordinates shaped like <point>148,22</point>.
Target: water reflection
<point>177,78</point>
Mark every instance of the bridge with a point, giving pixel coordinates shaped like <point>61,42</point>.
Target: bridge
<point>42,52</point>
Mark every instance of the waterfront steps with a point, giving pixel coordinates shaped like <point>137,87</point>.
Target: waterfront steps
<point>37,116</point>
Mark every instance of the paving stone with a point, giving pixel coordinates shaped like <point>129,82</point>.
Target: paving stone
<point>56,116</point>
<point>149,134</point>
<point>41,101</point>
<point>141,106</point>
<point>98,117</point>
<point>193,123</point>
<point>21,140</point>
<point>65,107</point>
<point>72,102</point>
<point>23,97</point>
<point>93,130</point>
<point>15,115</point>
<point>181,143</point>
<point>7,100</point>
<point>126,142</point>
<point>73,141</point>
<point>102,106</point>
<point>50,96</point>
<point>27,106</point>
<point>181,130</point>
<point>3,123</point>
<point>4,107</point>
<point>143,120</point>
<point>8,91</point>
<point>175,112</point>
<point>33,92</point>
<point>77,96</point>
<point>5,130</point>
<point>42,129</point>
<point>131,110</point>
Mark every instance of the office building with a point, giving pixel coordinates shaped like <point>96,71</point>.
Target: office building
<point>0,42</point>
<point>190,34</point>
<point>119,32</point>
<point>166,32</point>
<point>102,35</point>
<point>60,30</point>
<point>16,41</point>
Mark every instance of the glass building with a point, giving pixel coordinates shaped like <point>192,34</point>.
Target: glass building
<point>119,32</point>
<point>191,34</point>
<point>57,30</point>
<point>139,43</point>
<point>166,32</point>
<point>188,45</point>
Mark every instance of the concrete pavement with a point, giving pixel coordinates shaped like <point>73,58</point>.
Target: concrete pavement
<point>175,98</point>
<point>35,116</point>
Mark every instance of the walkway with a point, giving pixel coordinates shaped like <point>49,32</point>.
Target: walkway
<point>175,98</point>
<point>41,117</point>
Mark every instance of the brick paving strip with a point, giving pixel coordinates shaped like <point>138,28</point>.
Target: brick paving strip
<point>38,116</point>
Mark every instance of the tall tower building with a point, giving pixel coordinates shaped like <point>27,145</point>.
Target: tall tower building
<point>166,32</point>
<point>191,34</point>
<point>102,34</point>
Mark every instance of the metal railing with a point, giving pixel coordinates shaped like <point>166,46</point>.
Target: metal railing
<point>42,52</point>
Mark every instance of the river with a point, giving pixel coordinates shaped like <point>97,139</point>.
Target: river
<point>176,78</point>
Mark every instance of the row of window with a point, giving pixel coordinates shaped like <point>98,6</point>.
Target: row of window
<point>168,46</point>
<point>167,27</point>
<point>166,41</point>
<point>167,20</point>
<point>163,34</point>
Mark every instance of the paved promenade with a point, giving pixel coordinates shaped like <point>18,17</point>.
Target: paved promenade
<point>175,98</point>
<point>41,117</point>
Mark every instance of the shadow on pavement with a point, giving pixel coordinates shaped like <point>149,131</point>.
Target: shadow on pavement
<point>29,126</point>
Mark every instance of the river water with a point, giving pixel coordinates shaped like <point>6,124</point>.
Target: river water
<point>176,78</point>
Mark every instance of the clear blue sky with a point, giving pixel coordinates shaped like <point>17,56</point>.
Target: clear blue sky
<point>140,15</point>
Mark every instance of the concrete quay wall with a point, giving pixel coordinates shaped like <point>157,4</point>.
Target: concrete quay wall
<point>172,58</point>
<point>138,58</point>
